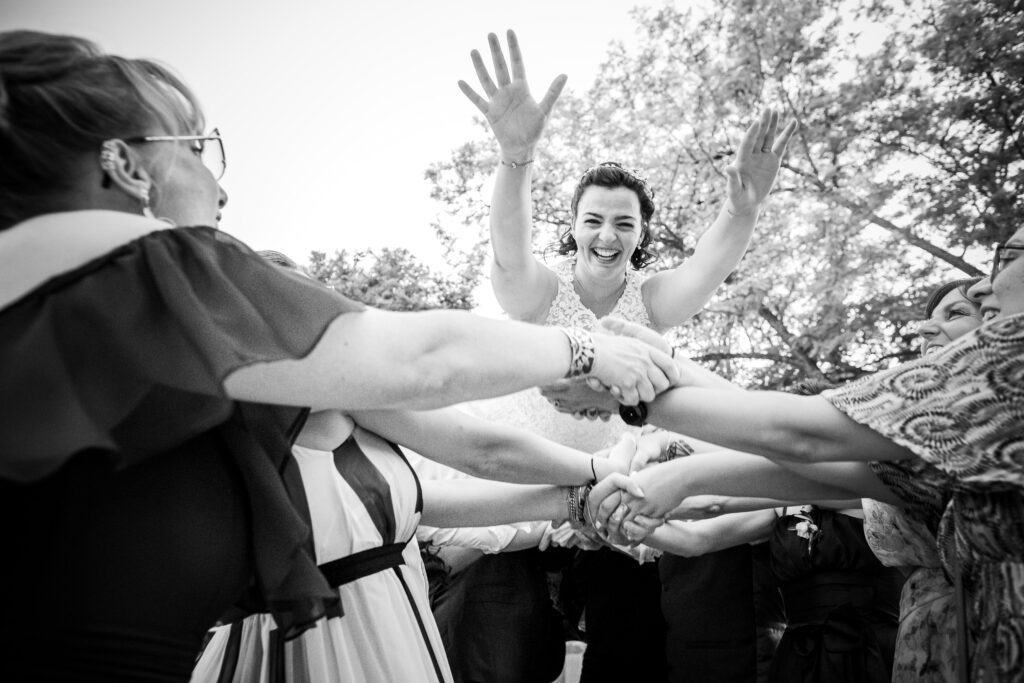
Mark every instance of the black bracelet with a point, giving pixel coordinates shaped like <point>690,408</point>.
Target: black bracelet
<point>593,471</point>
<point>634,416</point>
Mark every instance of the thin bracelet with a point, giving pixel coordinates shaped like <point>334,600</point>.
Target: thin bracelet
<point>593,471</point>
<point>515,164</point>
<point>584,502</point>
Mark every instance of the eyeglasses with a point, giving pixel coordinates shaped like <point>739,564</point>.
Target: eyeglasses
<point>210,148</point>
<point>999,261</point>
<point>619,167</point>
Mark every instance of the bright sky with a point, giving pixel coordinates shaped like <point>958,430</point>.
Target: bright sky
<point>332,110</point>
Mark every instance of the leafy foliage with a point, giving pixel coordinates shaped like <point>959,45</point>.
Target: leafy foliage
<point>392,279</point>
<point>908,164</point>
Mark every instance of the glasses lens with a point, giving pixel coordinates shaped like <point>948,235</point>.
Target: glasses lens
<point>213,154</point>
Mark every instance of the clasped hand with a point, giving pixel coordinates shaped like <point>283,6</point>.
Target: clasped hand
<point>594,398</point>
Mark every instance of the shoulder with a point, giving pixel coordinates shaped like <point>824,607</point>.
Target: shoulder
<point>526,297</point>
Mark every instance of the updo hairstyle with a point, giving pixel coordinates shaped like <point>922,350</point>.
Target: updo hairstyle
<point>61,97</point>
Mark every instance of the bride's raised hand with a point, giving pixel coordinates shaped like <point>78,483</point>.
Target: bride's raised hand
<point>516,119</point>
<point>751,176</point>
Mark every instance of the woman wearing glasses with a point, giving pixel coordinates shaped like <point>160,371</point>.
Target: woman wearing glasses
<point>943,432</point>
<point>607,240</point>
<point>155,377</point>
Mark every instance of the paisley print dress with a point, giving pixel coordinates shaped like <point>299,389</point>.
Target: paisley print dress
<point>961,412</point>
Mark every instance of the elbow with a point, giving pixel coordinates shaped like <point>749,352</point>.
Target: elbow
<point>805,448</point>
<point>432,379</point>
<point>798,450</point>
<point>487,464</point>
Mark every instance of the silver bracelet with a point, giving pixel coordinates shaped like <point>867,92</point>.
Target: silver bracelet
<point>515,164</point>
<point>575,501</point>
<point>678,449</point>
<point>581,351</point>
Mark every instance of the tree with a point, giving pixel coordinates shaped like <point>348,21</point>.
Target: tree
<point>392,279</point>
<point>908,164</point>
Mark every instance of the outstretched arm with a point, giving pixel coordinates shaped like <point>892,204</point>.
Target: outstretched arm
<point>489,450</point>
<point>774,424</point>
<point>691,539</point>
<point>523,286</point>
<point>465,503</point>
<point>378,359</point>
<point>729,473</point>
<point>674,296</point>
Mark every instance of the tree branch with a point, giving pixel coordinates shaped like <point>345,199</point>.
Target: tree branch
<point>904,233</point>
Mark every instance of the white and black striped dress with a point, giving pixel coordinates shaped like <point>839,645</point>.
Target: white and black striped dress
<point>364,506</point>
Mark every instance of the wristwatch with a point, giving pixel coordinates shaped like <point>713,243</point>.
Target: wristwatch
<point>635,416</point>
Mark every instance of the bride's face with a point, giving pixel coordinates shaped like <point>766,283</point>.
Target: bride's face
<point>607,229</point>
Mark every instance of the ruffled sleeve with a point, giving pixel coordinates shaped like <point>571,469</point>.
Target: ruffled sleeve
<point>124,358</point>
<point>127,353</point>
<point>961,410</point>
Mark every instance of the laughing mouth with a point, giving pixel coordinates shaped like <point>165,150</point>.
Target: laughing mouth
<point>604,255</point>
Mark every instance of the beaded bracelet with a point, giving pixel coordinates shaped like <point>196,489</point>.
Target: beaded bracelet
<point>581,351</point>
<point>515,164</point>
<point>575,501</point>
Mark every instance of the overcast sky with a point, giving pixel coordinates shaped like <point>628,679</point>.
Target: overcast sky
<point>332,110</point>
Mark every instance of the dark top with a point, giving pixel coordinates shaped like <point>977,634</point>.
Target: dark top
<point>169,498</point>
<point>842,605</point>
<point>708,604</point>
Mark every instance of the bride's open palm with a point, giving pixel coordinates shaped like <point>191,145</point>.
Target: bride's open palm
<point>516,119</point>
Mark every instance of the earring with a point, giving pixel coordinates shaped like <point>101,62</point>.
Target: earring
<point>107,159</point>
<point>146,211</point>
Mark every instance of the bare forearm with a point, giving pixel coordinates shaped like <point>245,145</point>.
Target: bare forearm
<point>691,539</point>
<point>412,360</point>
<point>482,448</point>
<point>770,423</point>
<point>512,218</point>
<point>456,503</point>
<point>739,475</point>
